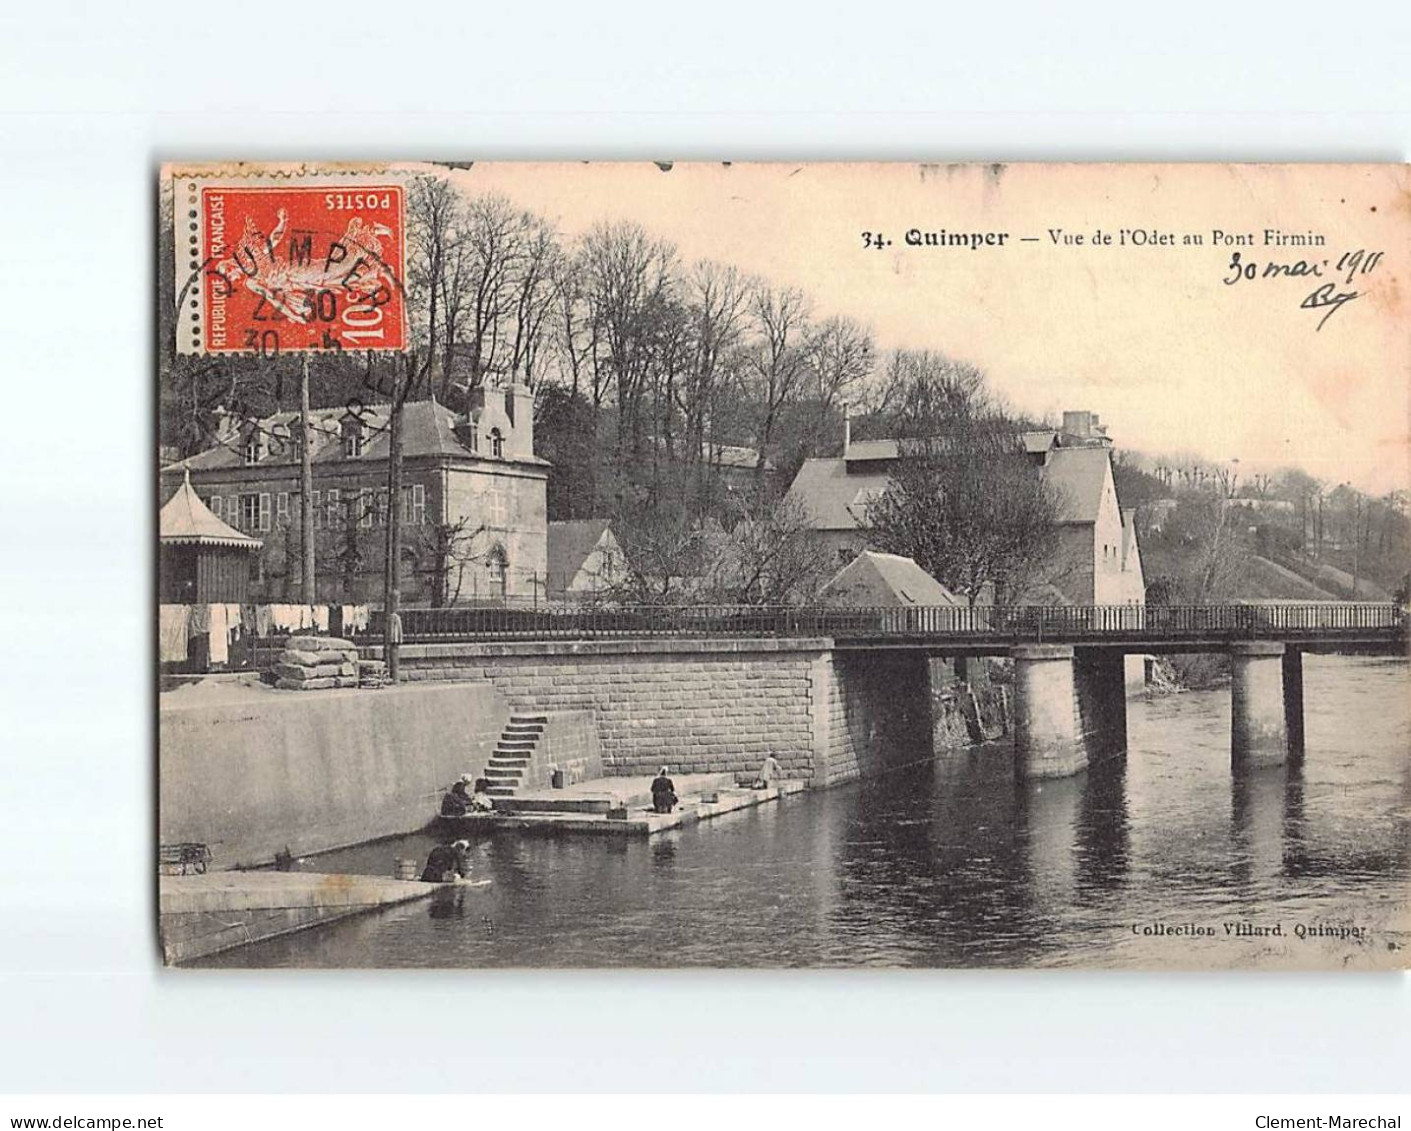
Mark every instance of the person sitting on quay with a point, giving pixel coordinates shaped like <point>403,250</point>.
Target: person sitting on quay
<point>458,801</point>
<point>447,863</point>
<point>663,793</point>
<point>480,800</point>
<point>769,772</point>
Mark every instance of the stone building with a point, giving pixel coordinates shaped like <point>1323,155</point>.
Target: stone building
<point>474,517</point>
<point>1098,560</point>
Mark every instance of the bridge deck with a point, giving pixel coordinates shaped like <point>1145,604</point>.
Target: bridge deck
<point>1331,626</point>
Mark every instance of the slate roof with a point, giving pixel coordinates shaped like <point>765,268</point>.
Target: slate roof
<point>570,543</point>
<point>1079,475</point>
<point>185,520</point>
<point>873,578</point>
<point>428,429</point>
<point>864,450</point>
<point>836,499</point>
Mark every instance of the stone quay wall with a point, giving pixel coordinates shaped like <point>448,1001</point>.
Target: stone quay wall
<point>708,706</point>
<point>310,771</point>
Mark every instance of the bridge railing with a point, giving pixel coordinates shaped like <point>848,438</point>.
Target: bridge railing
<point>940,622</point>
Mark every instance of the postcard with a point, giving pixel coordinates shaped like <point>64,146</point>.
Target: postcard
<point>783,565</point>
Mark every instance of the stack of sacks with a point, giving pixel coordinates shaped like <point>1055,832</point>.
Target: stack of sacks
<point>311,663</point>
<point>372,673</point>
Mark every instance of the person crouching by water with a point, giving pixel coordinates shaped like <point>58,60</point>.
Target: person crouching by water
<point>480,800</point>
<point>769,773</point>
<point>458,801</point>
<point>447,863</point>
<point>663,793</point>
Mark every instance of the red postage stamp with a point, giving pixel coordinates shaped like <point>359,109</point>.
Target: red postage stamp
<point>291,267</point>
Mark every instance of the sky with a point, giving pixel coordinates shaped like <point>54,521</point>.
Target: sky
<point>1151,337</point>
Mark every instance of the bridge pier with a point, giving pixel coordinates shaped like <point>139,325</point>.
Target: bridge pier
<point>1047,743</point>
<point>1100,680</point>
<point>1258,720</point>
<point>1293,699</point>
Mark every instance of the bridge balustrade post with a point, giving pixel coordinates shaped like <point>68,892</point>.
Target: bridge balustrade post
<point>1258,725</point>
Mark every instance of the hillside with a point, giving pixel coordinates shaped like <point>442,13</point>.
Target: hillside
<point>1262,579</point>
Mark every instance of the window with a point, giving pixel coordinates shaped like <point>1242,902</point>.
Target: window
<point>497,444</point>
<point>281,440</point>
<point>253,446</point>
<point>215,505</point>
<point>380,515</point>
<point>352,437</point>
<point>413,505</point>
<point>248,516</point>
<point>281,509</point>
<point>317,511</point>
<point>497,566</point>
<point>335,518</point>
<point>364,507</point>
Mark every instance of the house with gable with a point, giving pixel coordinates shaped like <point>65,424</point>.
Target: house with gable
<point>1098,561</point>
<point>584,559</point>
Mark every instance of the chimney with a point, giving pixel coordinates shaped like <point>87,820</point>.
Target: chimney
<point>519,405</point>
<point>1078,424</point>
<point>227,424</point>
<point>847,429</point>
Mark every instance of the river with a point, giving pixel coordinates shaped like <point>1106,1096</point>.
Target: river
<point>955,864</point>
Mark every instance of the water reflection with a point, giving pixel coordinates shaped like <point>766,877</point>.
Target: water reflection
<point>954,863</point>
<point>1104,833</point>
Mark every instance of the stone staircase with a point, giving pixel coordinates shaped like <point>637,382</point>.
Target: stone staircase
<point>509,767</point>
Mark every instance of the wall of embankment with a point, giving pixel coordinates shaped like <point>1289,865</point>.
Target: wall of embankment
<point>710,706</point>
<point>314,770</point>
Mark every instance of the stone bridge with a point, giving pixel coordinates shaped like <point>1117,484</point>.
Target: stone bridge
<point>1069,705</point>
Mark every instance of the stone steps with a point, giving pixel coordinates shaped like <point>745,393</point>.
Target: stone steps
<point>514,753</point>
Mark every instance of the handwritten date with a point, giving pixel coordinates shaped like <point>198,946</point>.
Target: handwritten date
<point>1326,296</point>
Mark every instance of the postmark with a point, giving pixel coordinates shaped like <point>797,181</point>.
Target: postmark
<point>297,264</point>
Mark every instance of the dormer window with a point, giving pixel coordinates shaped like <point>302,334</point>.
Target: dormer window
<point>253,447</point>
<point>352,437</point>
<point>497,444</point>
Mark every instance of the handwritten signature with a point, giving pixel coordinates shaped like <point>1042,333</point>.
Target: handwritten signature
<point>1329,298</point>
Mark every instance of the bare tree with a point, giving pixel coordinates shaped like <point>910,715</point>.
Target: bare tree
<point>964,501</point>
<point>629,278</point>
<point>777,364</point>
<point>435,217</point>
<point>769,557</point>
<point>537,276</point>
<point>452,548</point>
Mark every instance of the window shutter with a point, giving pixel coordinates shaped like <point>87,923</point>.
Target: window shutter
<point>264,510</point>
<point>215,505</point>
<point>333,507</point>
<point>281,507</point>
<point>418,504</point>
<point>318,516</point>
